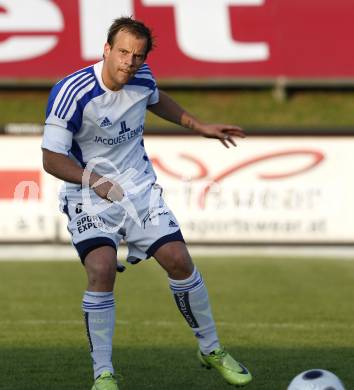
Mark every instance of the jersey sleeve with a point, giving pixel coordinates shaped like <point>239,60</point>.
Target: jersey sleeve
<point>64,111</point>
<point>57,139</point>
<point>154,97</point>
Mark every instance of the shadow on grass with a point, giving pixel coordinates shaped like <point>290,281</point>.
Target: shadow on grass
<point>59,368</point>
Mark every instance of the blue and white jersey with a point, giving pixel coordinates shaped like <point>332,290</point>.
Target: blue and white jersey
<point>85,120</point>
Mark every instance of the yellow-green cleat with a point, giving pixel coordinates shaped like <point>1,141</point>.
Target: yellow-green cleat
<point>232,371</point>
<point>105,381</point>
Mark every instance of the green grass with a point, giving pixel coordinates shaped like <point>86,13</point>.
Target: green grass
<point>19,107</point>
<point>245,108</point>
<point>259,109</point>
<point>278,316</point>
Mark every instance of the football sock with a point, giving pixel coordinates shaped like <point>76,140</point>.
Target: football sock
<point>99,312</point>
<point>191,297</point>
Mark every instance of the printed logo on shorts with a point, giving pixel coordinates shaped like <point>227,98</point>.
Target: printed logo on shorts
<point>172,224</point>
<point>78,208</point>
<point>89,222</point>
<point>153,216</point>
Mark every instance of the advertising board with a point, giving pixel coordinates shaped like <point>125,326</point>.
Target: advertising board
<point>47,39</point>
<point>271,190</point>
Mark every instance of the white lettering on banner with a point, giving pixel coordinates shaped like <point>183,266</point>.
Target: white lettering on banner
<point>28,16</point>
<point>95,20</point>
<point>204,30</point>
<point>20,191</point>
<point>25,48</point>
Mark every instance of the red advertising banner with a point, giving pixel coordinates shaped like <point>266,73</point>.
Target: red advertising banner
<point>195,38</point>
<point>20,183</point>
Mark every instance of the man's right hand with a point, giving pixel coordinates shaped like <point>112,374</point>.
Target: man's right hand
<point>106,188</point>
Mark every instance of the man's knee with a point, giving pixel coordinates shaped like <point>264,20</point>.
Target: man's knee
<point>181,263</point>
<point>101,269</point>
<point>175,259</point>
<point>100,266</point>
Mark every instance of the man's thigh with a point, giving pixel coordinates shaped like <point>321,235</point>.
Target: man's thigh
<point>174,258</point>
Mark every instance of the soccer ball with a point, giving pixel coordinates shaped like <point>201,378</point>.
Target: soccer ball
<point>316,379</point>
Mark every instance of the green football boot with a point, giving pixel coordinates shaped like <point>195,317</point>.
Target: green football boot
<point>233,372</point>
<point>105,381</point>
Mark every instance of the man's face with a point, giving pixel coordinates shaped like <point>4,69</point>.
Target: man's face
<point>123,59</point>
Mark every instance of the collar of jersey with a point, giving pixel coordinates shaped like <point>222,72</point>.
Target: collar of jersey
<point>98,73</point>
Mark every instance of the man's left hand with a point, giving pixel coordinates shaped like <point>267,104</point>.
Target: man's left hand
<point>224,133</point>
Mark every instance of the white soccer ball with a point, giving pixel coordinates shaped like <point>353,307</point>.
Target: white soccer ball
<point>316,379</point>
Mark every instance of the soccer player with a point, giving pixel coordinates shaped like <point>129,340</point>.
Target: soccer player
<point>93,141</point>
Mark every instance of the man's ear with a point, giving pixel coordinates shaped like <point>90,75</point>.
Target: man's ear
<point>106,49</point>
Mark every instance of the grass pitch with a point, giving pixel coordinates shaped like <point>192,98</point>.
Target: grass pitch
<point>277,316</point>
<point>314,109</point>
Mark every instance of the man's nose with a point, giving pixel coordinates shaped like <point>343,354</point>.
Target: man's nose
<point>129,59</point>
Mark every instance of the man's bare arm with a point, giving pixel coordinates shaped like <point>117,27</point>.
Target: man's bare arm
<point>170,110</point>
<point>62,167</point>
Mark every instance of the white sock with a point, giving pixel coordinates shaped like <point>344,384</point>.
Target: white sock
<point>99,311</point>
<point>192,299</point>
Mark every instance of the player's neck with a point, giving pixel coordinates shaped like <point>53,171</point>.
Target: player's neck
<point>109,83</point>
